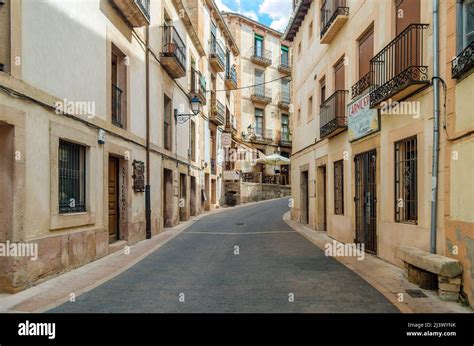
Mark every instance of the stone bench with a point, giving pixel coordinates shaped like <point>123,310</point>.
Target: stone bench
<point>430,271</point>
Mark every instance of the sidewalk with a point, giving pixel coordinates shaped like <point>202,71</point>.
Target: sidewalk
<point>387,278</point>
<point>59,289</point>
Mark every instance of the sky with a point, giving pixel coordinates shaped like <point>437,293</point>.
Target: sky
<point>273,13</point>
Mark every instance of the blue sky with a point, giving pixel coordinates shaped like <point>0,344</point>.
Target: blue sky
<point>274,13</point>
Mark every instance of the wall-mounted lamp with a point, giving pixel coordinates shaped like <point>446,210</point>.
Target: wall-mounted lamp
<point>195,108</point>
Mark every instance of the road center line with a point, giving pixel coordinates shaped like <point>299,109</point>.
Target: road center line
<point>239,233</point>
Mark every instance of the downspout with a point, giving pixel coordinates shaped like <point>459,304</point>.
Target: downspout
<point>147,93</point>
<point>435,158</point>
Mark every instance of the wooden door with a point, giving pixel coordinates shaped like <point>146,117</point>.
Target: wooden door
<point>304,198</point>
<point>113,200</point>
<point>407,50</point>
<point>339,84</point>
<point>408,12</point>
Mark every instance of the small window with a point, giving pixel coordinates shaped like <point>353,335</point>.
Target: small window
<point>339,187</point>
<point>322,87</point>
<point>310,33</point>
<point>167,134</point>
<point>258,45</point>
<point>193,141</point>
<point>310,107</point>
<point>72,177</point>
<point>406,194</point>
<point>299,48</point>
<point>119,87</point>
<point>285,132</point>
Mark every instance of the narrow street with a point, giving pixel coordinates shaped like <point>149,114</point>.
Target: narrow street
<point>242,260</point>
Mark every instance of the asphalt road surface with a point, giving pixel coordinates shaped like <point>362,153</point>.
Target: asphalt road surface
<point>243,260</point>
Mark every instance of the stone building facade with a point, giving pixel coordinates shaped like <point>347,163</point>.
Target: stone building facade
<point>363,126</point>
<point>87,125</point>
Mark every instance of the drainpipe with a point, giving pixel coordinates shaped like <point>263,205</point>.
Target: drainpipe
<point>147,93</point>
<point>435,159</point>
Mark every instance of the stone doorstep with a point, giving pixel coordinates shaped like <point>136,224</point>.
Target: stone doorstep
<point>449,287</point>
<point>448,296</point>
<point>117,246</point>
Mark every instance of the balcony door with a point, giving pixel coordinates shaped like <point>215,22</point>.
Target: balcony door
<point>339,84</point>
<point>259,83</point>
<point>408,49</point>
<point>408,12</point>
<point>285,90</point>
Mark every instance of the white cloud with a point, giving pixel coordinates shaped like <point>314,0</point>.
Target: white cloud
<point>237,8</point>
<point>279,12</point>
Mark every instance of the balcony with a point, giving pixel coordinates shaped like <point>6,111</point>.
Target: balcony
<point>173,54</point>
<point>231,78</point>
<point>284,100</point>
<point>284,64</point>
<point>333,119</point>
<point>216,55</point>
<point>264,137</point>
<point>362,85</point>
<point>261,56</point>
<point>261,95</point>
<point>136,12</point>
<point>231,124</point>
<point>398,70</point>
<point>217,115</point>
<point>198,85</point>
<point>285,142</point>
<point>117,102</point>
<point>463,62</point>
<point>334,14</point>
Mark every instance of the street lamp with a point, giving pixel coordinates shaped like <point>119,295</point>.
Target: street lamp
<point>195,107</point>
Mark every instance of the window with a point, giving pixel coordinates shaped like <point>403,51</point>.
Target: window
<point>260,83</point>
<point>366,52</point>
<point>119,87</point>
<point>465,19</point>
<point>285,56</point>
<point>167,136</point>
<point>299,48</point>
<point>298,114</point>
<point>322,87</point>
<point>310,107</point>
<point>285,132</point>
<point>259,122</point>
<point>310,33</point>
<point>339,187</point>
<point>258,45</point>
<point>285,90</point>
<point>406,204</point>
<point>72,177</point>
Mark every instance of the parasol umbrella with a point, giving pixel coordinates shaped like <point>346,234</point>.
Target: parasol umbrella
<point>275,160</point>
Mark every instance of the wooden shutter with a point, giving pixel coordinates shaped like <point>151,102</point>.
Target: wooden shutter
<point>366,52</point>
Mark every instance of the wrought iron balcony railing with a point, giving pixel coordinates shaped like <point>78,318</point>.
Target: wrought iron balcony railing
<point>173,52</point>
<point>284,63</point>
<point>117,95</point>
<point>333,117</point>
<point>136,12</point>
<point>261,94</point>
<point>261,56</point>
<point>198,85</point>
<point>217,110</point>
<point>399,70</point>
<point>284,99</point>
<point>231,77</point>
<point>362,85</point>
<point>216,54</point>
<point>463,62</point>
<point>330,11</point>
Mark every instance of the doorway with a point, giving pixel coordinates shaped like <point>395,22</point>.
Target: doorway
<point>321,193</point>
<point>182,197</point>
<point>193,201</point>
<point>304,198</point>
<point>213,191</point>
<point>365,200</point>
<point>167,198</point>
<point>113,193</point>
